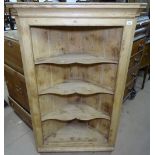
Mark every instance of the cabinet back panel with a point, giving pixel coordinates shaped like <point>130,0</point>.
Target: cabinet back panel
<point>100,74</point>
<point>48,42</point>
<point>75,132</point>
<point>54,41</point>
<point>100,102</point>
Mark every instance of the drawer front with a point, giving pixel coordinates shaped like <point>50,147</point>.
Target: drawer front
<point>138,46</point>
<point>141,31</point>
<point>16,87</point>
<point>146,56</point>
<point>143,23</point>
<point>12,55</point>
<point>135,60</point>
<point>132,73</point>
<point>24,115</point>
<point>128,89</point>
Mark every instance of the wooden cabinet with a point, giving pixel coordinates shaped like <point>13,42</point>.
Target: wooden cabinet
<point>12,52</point>
<point>135,59</point>
<point>16,86</point>
<point>14,77</point>
<point>145,61</point>
<point>75,71</point>
<point>138,46</point>
<point>137,55</point>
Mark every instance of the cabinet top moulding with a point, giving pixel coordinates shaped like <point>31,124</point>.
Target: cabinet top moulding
<point>50,9</point>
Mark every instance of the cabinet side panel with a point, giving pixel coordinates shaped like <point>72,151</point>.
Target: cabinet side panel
<point>126,46</point>
<point>29,72</point>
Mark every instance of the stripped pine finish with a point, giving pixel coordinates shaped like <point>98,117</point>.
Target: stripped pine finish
<point>75,87</point>
<point>75,59</point>
<point>76,132</point>
<point>75,41</point>
<point>75,72</point>
<point>75,111</point>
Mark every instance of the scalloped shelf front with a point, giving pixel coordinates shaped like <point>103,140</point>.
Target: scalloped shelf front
<point>76,87</point>
<point>78,111</point>
<point>75,59</point>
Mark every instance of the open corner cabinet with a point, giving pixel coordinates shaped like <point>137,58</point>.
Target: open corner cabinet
<point>75,59</point>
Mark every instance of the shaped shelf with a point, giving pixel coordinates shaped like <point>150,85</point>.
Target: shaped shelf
<point>75,111</point>
<point>75,59</point>
<point>75,87</point>
<point>76,132</point>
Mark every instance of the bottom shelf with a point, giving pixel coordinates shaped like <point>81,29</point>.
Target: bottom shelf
<point>54,148</point>
<point>75,133</point>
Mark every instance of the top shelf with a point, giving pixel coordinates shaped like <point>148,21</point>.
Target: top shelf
<point>75,59</point>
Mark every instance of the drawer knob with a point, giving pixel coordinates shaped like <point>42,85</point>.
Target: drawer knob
<point>136,60</point>
<point>19,90</point>
<point>133,74</point>
<point>10,44</point>
<point>141,47</point>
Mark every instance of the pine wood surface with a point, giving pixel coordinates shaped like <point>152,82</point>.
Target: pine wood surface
<point>52,39</point>
<point>75,111</point>
<point>16,86</point>
<point>12,52</point>
<point>75,59</point>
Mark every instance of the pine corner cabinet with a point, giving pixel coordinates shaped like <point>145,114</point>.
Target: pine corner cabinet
<point>75,59</point>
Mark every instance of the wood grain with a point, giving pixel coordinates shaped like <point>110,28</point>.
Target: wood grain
<point>76,40</point>
<point>75,87</point>
<point>75,59</point>
<point>75,132</point>
<point>49,76</point>
<point>127,41</point>
<point>54,36</point>
<point>99,102</point>
<point>16,86</point>
<point>29,72</point>
<point>75,111</point>
<point>12,54</point>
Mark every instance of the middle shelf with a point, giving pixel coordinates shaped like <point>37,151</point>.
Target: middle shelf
<point>75,87</point>
<point>73,111</point>
<point>71,58</point>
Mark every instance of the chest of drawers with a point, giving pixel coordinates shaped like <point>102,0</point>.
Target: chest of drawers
<point>14,76</point>
<point>145,61</point>
<point>137,55</point>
